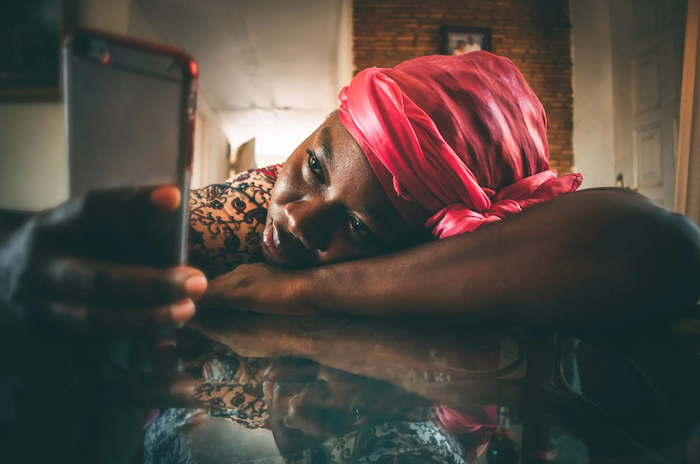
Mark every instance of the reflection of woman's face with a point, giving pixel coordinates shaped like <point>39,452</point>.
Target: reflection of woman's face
<point>328,206</point>
<point>310,404</point>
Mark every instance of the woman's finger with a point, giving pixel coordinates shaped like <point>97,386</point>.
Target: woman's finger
<point>97,283</point>
<point>130,225</point>
<point>114,207</point>
<point>166,198</point>
<point>121,321</point>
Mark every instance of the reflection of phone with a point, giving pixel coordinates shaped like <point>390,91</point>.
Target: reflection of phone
<point>130,111</point>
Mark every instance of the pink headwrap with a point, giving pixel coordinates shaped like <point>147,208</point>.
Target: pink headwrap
<point>456,141</point>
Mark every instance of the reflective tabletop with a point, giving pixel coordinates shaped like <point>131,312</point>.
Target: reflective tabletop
<point>277,389</point>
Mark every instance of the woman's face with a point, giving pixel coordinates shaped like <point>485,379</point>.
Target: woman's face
<point>308,403</point>
<point>328,206</point>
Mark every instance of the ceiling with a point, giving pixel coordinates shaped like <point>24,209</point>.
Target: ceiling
<point>256,54</point>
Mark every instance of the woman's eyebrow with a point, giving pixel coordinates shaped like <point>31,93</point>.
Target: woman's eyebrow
<point>326,145</point>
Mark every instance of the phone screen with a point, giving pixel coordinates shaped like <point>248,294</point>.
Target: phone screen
<point>130,117</point>
<point>125,123</point>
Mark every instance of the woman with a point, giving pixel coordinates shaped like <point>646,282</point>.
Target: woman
<point>441,145</point>
<point>408,154</point>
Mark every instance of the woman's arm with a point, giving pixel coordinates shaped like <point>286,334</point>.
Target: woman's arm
<point>401,354</point>
<point>601,257</point>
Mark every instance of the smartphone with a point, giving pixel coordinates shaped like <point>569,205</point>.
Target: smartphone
<point>130,114</point>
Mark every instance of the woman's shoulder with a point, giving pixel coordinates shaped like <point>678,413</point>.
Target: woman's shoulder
<point>266,176</point>
<point>227,220</point>
<point>243,183</point>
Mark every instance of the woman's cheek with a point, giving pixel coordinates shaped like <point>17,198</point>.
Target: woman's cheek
<point>283,191</point>
<point>291,183</point>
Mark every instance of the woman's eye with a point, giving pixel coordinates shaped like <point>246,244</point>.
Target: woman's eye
<point>357,413</point>
<point>363,233</point>
<point>315,166</point>
<point>358,226</point>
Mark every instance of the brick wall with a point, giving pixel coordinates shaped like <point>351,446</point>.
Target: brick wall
<point>535,34</point>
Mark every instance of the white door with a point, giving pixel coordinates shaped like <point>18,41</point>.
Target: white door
<point>647,51</point>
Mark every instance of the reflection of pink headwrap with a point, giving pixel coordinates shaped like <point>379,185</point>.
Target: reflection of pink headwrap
<point>456,141</point>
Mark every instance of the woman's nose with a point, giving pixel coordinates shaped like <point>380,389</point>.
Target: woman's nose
<point>303,412</point>
<point>309,397</point>
<point>308,221</point>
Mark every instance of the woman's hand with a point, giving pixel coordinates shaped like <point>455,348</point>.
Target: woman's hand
<point>86,265</point>
<point>259,288</point>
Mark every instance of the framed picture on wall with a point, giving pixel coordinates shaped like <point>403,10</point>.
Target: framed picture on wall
<point>460,40</point>
<point>31,32</point>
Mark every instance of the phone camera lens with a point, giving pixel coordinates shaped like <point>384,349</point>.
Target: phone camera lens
<point>100,52</point>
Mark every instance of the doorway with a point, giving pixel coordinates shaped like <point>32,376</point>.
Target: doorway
<point>647,53</point>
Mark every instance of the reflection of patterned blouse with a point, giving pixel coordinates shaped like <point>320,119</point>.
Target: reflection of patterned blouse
<point>229,385</point>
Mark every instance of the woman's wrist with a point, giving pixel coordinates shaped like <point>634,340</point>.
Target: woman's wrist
<point>338,288</point>
<point>303,289</point>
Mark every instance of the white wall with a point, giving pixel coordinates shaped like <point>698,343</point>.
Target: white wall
<point>593,92</point>
<point>140,26</point>
<point>346,57</point>
<point>104,15</point>
<point>210,163</point>
<point>33,156</point>
<point>277,132</point>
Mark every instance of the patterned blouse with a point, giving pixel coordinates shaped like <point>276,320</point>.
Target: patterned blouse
<point>227,220</point>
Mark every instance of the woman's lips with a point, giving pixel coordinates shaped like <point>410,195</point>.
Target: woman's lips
<point>271,246</point>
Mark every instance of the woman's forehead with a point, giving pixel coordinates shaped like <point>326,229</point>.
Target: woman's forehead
<point>332,135</point>
<point>349,168</point>
<point>354,181</point>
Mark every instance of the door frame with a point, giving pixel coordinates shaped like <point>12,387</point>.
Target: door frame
<point>687,197</point>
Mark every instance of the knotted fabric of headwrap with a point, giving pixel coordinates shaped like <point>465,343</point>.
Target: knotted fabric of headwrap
<point>456,141</point>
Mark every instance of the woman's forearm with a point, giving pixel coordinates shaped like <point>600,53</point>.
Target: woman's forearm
<point>382,350</point>
<point>599,256</point>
